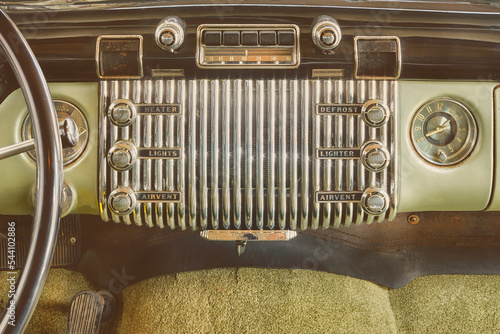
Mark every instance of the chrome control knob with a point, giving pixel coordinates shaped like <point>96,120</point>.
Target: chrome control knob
<point>326,33</point>
<point>375,113</point>
<point>122,113</point>
<point>170,33</point>
<point>122,155</point>
<point>374,156</point>
<point>122,201</point>
<point>375,201</point>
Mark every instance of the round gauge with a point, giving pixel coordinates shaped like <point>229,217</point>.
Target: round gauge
<point>64,110</point>
<point>443,131</point>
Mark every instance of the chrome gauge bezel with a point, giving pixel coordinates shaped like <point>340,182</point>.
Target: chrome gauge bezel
<point>458,156</point>
<point>70,154</point>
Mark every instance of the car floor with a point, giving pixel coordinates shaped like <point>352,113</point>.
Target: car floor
<point>248,300</point>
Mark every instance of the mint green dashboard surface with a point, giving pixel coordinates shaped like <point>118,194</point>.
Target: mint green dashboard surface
<point>467,186</point>
<point>18,174</point>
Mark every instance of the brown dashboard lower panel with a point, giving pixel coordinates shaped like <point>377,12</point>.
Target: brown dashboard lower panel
<point>389,253</point>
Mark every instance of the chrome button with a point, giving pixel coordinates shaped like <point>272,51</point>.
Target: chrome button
<point>122,113</point>
<point>374,156</point>
<point>122,201</point>
<point>122,156</point>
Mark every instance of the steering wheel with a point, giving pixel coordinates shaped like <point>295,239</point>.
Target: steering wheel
<point>49,177</point>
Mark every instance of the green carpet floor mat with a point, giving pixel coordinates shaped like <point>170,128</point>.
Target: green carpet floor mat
<point>281,301</point>
<point>300,301</point>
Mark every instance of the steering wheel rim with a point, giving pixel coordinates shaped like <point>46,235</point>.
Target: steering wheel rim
<point>49,175</point>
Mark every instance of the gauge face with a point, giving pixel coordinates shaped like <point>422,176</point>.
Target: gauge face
<point>64,110</point>
<point>443,131</point>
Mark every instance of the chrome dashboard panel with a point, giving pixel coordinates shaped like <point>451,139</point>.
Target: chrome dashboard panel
<point>248,154</point>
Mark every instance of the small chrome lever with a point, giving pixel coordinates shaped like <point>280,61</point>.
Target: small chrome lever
<point>68,131</point>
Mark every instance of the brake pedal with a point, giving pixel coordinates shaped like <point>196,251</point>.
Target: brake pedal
<point>85,313</point>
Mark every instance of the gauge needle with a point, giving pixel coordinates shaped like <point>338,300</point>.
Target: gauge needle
<point>438,129</point>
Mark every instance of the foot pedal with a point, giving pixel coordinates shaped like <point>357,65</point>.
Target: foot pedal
<point>85,313</point>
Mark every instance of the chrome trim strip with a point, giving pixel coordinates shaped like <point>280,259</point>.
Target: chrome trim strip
<point>214,188</point>
<point>294,165</point>
<point>135,130</point>
<point>113,137</point>
<point>248,235</point>
<point>249,111</point>
<point>306,158</point>
<point>339,142</point>
<point>192,184</point>
<point>316,167</point>
<point>327,137</point>
<point>204,100</point>
<point>271,154</point>
<point>170,142</point>
<point>103,129</point>
<point>259,154</point>
<point>158,142</point>
<point>282,124</point>
<point>226,153</point>
<point>394,149</point>
<point>181,164</point>
<point>361,95</point>
<point>146,164</point>
<point>349,98</point>
<point>238,152</point>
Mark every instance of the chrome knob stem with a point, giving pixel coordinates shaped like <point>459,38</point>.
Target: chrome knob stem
<point>326,33</point>
<point>170,33</point>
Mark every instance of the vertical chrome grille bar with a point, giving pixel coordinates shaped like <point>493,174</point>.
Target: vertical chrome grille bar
<point>284,109</point>
<point>204,155</point>
<point>170,143</point>
<point>146,142</point>
<point>316,140</point>
<point>103,133</point>
<point>339,142</point>
<point>226,155</point>
<point>327,136</point>
<point>349,96</point>
<point>124,133</point>
<point>237,153</point>
<point>181,165</point>
<point>372,135</point>
<point>306,159</point>
<point>361,89</point>
<point>215,153</point>
<point>294,161</point>
<point>271,153</point>
<point>113,137</point>
<point>192,183</point>
<point>158,142</point>
<point>249,111</point>
<point>383,93</point>
<point>259,154</point>
<point>394,137</point>
<point>136,139</point>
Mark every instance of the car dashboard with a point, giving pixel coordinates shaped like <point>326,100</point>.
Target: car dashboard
<point>351,137</point>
